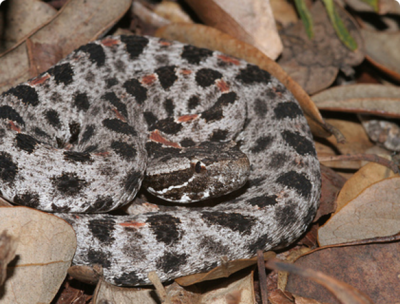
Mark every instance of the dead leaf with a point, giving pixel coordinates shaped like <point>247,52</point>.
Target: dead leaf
<point>331,185</point>
<point>284,12</point>
<point>342,291</point>
<point>223,271</point>
<point>107,293</point>
<point>315,63</point>
<point>172,12</point>
<point>8,246</point>
<point>373,99</point>
<point>382,51</point>
<point>366,176</point>
<point>356,142</point>
<point>20,21</point>
<point>210,38</point>
<point>252,23</point>
<point>375,212</point>
<point>371,268</point>
<point>83,20</point>
<point>46,245</point>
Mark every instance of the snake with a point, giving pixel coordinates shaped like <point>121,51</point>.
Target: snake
<point>186,123</point>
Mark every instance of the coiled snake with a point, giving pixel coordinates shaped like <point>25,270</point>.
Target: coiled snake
<point>79,138</point>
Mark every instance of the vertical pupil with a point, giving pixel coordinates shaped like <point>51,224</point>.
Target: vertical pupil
<point>197,168</point>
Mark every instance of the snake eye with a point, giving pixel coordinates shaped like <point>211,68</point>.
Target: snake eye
<point>197,167</point>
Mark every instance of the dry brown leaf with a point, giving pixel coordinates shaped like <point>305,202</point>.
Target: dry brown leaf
<point>284,12</point>
<point>366,176</point>
<point>357,141</point>
<point>225,270</point>
<point>384,7</point>
<point>107,293</point>
<point>331,185</point>
<point>82,20</point>
<point>46,245</point>
<point>382,51</point>
<point>342,291</point>
<point>375,212</point>
<point>8,246</point>
<point>252,23</point>
<point>374,99</point>
<point>172,11</point>
<point>210,38</point>
<point>371,268</point>
<point>315,63</point>
<point>21,21</point>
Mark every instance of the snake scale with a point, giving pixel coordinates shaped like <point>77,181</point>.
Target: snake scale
<point>77,141</point>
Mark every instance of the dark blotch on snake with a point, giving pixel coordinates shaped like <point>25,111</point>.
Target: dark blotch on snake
<point>62,73</point>
<point>102,229</point>
<point>262,143</point>
<point>206,77</point>
<point>127,151</point>
<point>87,134</point>
<point>110,82</point>
<point>253,74</point>
<point>134,87</point>
<point>135,45</point>
<point>195,55</point>
<point>286,215</point>
<point>187,142</point>
<point>165,228</point>
<point>7,112</point>
<point>77,157</point>
<point>166,76</point>
<point>287,110</point>
<point>53,118</point>
<point>278,160</point>
<point>131,181</point>
<point>99,257</point>
<point>116,102</point>
<point>259,244</point>
<point>27,199</point>
<point>216,111</point>
<point>233,221</point>
<point>263,201</point>
<point>260,107</point>
<point>24,93</point>
<point>296,181</point>
<point>193,102</point>
<point>219,135</point>
<point>81,101</point>
<point>150,119</point>
<point>169,106</point>
<point>119,126</point>
<point>39,132</point>
<point>26,142</point>
<point>128,278</point>
<point>69,183</point>
<point>96,53</point>
<point>167,125</point>
<point>298,142</point>
<point>171,262</point>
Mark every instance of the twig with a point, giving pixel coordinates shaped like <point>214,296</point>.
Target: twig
<point>360,156</point>
<point>262,277</point>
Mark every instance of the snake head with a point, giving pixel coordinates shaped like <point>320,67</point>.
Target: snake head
<point>197,173</point>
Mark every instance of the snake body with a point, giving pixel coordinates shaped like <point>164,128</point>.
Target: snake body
<point>79,137</point>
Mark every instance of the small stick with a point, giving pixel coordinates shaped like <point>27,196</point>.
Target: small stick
<point>262,277</point>
<point>360,156</point>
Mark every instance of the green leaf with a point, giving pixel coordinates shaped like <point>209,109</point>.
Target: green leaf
<point>339,26</point>
<point>305,17</point>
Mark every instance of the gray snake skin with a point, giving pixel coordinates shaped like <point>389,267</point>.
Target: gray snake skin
<point>77,140</point>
